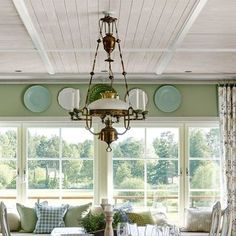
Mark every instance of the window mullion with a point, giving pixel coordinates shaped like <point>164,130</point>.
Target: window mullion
<point>23,166</point>
<point>60,164</point>
<point>145,167</point>
<point>186,166</point>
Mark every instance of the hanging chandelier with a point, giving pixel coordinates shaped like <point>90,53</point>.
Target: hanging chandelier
<point>109,108</point>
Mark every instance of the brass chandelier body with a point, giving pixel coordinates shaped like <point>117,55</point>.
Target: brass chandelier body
<point>109,108</point>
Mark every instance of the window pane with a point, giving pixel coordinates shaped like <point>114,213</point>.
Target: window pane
<point>204,143</point>
<point>204,174</point>
<point>77,174</point>
<point>43,142</point>
<point>76,145</point>
<point>130,145</point>
<point>162,142</point>
<point>151,179</point>
<point>162,174</point>
<point>43,174</point>
<point>128,174</point>
<point>204,166</point>
<point>64,165</point>
<point>8,142</point>
<point>8,161</point>
<point>8,174</point>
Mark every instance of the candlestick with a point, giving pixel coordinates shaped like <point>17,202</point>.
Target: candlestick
<point>72,101</point>
<point>137,99</point>
<point>104,201</point>
<point>76,99</point>
<point>108,208</point>
<point>109,218</point>
<point>144,100</point>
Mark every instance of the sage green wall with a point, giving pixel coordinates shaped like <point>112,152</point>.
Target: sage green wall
<point>197,100</point>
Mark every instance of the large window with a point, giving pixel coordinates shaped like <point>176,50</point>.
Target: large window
<point>167,168</point>
<point>163,166</point>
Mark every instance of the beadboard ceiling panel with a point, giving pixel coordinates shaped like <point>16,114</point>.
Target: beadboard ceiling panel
<point>203,63</point>
<point>72,25</point>
<point>215,28</point>
<point>159,38</point>
<point>17,62</point>
<point>13,34</point>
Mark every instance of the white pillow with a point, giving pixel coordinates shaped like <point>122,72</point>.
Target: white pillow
<point>198,220</point>
<point>13,221</point>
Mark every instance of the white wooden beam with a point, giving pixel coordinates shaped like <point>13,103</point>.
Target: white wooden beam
<point>167,56</point>
<point>26,19</point>
<point>134,78</point>
<point>136,50</point>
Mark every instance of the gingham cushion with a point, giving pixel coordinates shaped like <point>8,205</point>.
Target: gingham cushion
<point>49,217</point>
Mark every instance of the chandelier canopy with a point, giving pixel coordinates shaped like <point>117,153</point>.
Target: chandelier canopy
<point>109,108</point>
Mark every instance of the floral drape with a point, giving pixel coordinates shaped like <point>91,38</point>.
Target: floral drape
<point>227,113</point>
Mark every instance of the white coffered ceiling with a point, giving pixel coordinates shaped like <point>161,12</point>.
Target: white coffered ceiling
<point>55,40</point>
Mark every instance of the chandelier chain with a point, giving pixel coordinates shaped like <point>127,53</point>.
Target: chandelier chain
<point>122,62</point>
<point>92,72</point>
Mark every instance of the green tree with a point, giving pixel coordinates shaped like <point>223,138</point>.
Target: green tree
<point>6,176</point>
<point>198,144</point>
<point>213,141</point>
<point>71,170</point>
<point>8,143</point>
<point>48,147</point>
<point>206,176</point>
<point>130,147</point>
<point>165,148</point>
<point>122,173</point>
<point>202,145</point>
<point>87,149</point>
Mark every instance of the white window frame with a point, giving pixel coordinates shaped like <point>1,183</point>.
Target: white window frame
<point>59,125</point>
<point>183,124</point>
<point>187,126</point>
<point>103,186</point>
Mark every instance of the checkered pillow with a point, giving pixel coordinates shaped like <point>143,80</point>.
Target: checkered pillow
<point>49,217</point>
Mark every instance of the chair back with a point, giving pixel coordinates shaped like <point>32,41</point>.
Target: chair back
<point>215,220</point>
<point>3,220</point>
<point>227,222</point>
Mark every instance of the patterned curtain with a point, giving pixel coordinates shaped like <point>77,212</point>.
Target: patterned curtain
<point>227,113</point>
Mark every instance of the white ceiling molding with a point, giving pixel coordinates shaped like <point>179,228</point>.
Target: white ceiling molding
<point>141,50</point>
<point>133,78</point>
<point>167,56</point>
<point>26,19</point>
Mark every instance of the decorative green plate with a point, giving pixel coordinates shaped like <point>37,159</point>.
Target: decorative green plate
<point>167,98</point>
<point>37,98</point>
<point>97,89</point>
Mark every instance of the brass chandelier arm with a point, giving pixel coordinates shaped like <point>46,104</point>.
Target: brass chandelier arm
<point>89,122</point>
<point>124,131</point>
<point>92,131</point>
<point>126,125</point>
